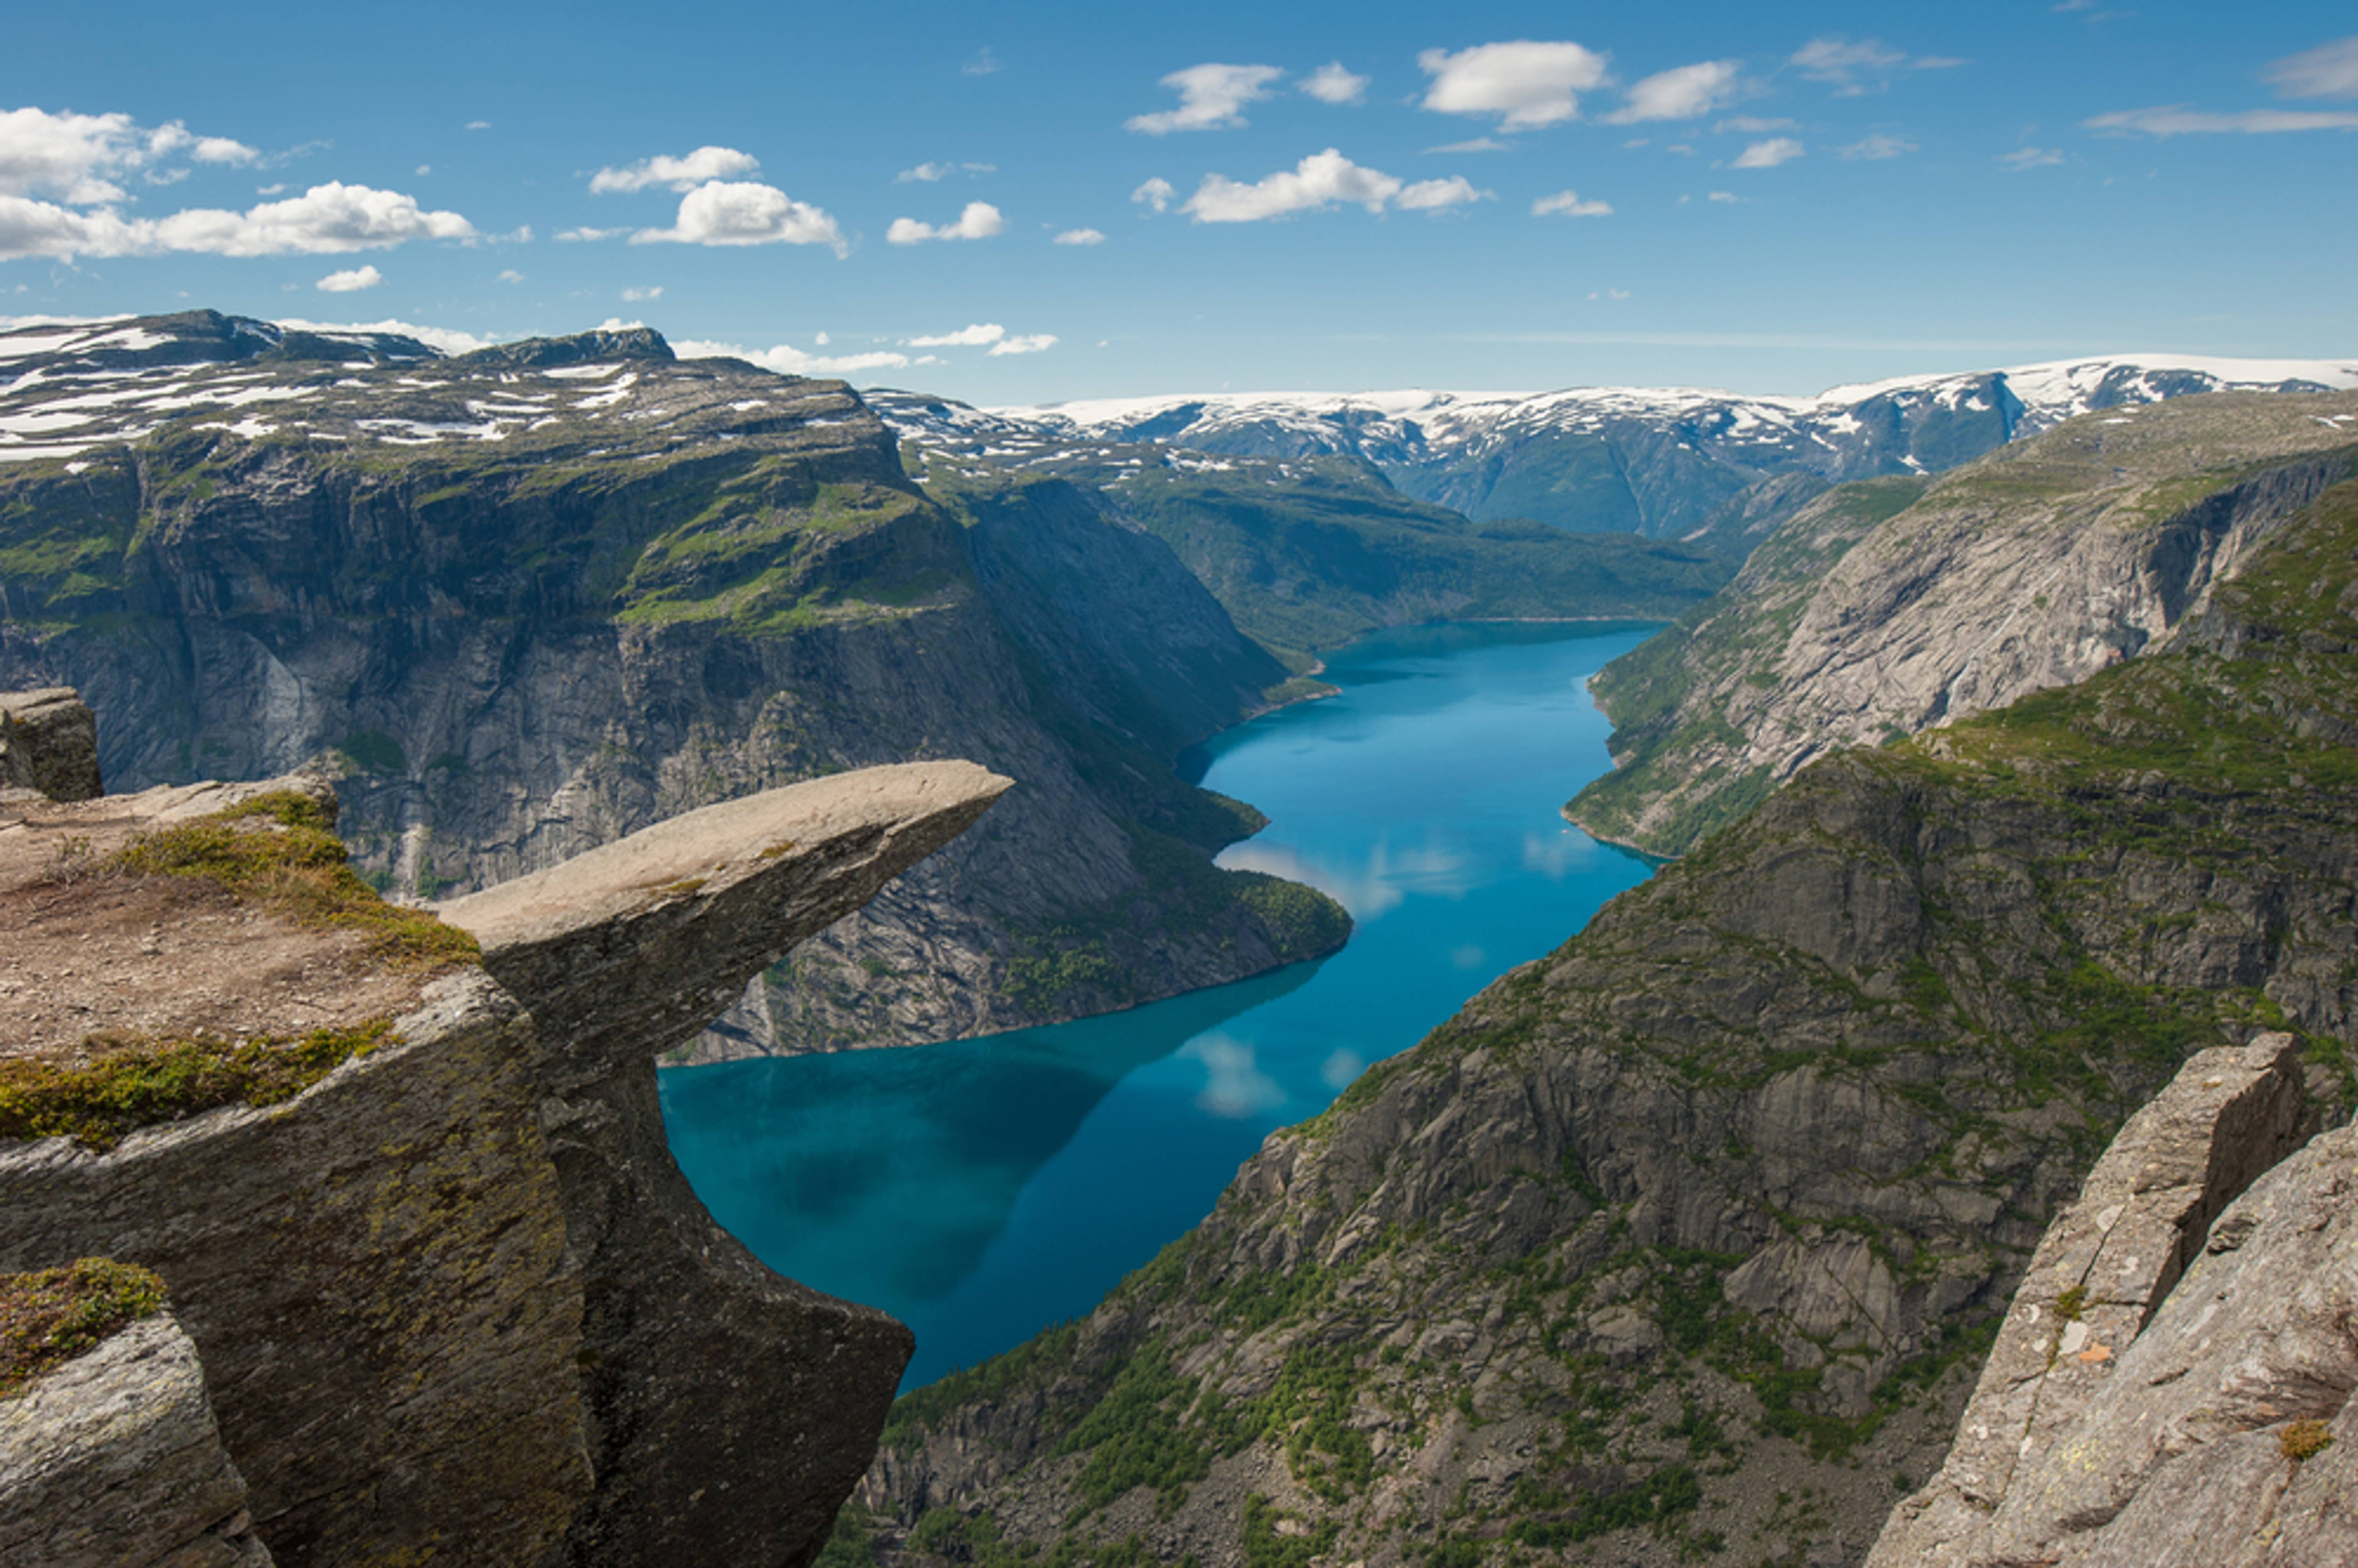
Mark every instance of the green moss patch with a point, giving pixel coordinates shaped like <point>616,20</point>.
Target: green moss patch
<point>277,850</point>
<point>49,1317</point>
<point>145,1082</point>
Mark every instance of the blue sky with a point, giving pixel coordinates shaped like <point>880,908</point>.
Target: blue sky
<point>1767,197</point>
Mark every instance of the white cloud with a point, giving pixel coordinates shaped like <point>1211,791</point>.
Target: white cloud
<point>2180,121</point>
<point>1878,147</point>
<point>223,150</point>
<point>78,158</point>
<point>2029,157</point>
<point>448,339</point>
<point>1157,193</point>
<point>1330,84</point>
<point>326,220</point>
<point>1210,97</point>
<point>1568,204</point>
<point>1316,181</point>
<point>510,275</point>
<point>1023,345</point>
<point>1080,237</point>
<point>1431,195</point>
<point>984,63</point>
<point>1478,144</point>
<point>2328,70</point>
<point>1524,83</point>
<point>822,340</point>
<point>681,173</point>
<point>1769,154</point>
<point>926,172</point>
<point>635,296</point>
<point>479,125</point>
<point>734,213</point>
<point>1685,93</point>
<point>1752,124</point>
<point>972,337</point>
<point>789,359</point>
<point>272,189</point>
<point>587,235</point>
<point>1727,197</point>
<point>350,281</point>
<point>980,221</point>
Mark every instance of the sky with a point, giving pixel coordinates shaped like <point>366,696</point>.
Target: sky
<point>1017,203</point>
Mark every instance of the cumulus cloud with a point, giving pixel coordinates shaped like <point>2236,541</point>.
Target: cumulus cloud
<point>1031,344</point>
<point>1687,93</point>
<point>680,174</point>
<point>637,295</point>
<point>1080,237</point>
<point>790,361</point>
<point>1156,193</point>
<point>926,172</point>
<point>1769,154</point>
<point>1331,83</point>
<point>1523,82</point>
<point>1211,98</point>
<point>2328,70</point>
<point>970,337</point>
<point>324,220</point>
<point>1318,180</point>
<point>510,275</point>
<point>1878,147</point>
<point>2180,121</point>
<point>1728,198</point>
<point>980,221</point>
<point>77,158</point>
<point>350,281</point>
<point>2029,157</point>
<point>738,213</point>
<point>1478,144</point>
<point>1568,204</point>
<point>1752,124</point>
<point>1431,195</point>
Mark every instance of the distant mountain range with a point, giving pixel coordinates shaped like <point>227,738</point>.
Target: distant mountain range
<point>1668,463</point>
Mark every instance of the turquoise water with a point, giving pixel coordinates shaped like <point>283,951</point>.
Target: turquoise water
<point>980,1190</point>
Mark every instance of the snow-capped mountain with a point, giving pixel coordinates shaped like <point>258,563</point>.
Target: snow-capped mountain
<point>1657,461</point>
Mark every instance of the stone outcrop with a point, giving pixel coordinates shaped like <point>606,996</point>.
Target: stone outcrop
<point>114,1461</point>
<point>456,1301</point>
<point>48,744</point>
<point>2172,1384</point>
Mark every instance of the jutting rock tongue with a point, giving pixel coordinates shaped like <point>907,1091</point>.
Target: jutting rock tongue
<point>692,1348</point>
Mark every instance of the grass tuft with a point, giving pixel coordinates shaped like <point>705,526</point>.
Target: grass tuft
<point>49,1317</point>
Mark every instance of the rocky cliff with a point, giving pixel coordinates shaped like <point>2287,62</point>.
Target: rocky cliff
<point>526,601</point>
<point>1884,608</point>
<point>405,1181</point>
<point>1691,1238</point>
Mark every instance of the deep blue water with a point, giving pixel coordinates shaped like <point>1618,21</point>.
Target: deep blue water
<point>983,1189</point>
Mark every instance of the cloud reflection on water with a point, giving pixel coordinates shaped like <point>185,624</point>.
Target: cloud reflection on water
<point>1387,878</point>
<point>1234,1085</point>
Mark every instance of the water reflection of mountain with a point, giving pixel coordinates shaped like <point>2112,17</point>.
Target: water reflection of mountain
<point>807,1160</point>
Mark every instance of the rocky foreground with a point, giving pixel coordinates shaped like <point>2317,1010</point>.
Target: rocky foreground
<point>449,1297</point>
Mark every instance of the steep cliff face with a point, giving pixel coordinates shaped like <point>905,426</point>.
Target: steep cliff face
<point>530,600</point>
<point>1886,608</point>
<point>1690,1237</point>
<point>451,1297</point>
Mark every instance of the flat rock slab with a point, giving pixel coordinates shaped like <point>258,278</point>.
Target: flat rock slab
<point>636,946</point>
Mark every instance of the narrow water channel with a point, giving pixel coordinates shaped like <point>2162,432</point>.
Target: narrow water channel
<point>980,1190</point>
